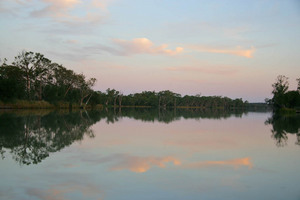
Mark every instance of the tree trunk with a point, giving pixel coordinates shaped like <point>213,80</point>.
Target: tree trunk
<point>115,101</point>
<point>159,99</point>
<point>88,99</point>
<point>120,100</point>
<point>40,92</point>
<point>28,86</point>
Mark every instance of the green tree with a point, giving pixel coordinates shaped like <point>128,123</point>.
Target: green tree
<point>24,61</point>
<point>298,86</point>
<point>111,97</point>
<point>12,83</point>
<point>42,74</point>
<point>85,88</point>
<point>280,87</point>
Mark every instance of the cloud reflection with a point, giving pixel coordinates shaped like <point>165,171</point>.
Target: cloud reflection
<point>136,164</point>
<point>236,163</point>
<point>59,192</point>
<point>142,164</point>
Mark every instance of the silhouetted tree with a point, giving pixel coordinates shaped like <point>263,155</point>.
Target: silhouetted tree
<point>280,87</point>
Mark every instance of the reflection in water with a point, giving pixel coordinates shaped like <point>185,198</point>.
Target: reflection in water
<point>186,159</point>
<point>282,125</point>
<point>167,115</point>
<point>30,138</point>
<point>140,164</point>
<point>236,163</point>
<point>61,190</point>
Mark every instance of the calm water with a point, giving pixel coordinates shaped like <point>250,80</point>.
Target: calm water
<point>146,154</point>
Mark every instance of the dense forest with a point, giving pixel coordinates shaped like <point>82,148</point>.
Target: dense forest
<point>33,77</point>
<point>283,98</point>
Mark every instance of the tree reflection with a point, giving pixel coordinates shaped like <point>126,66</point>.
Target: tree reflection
<point>31,138</point>
<point>282,125</point>
<point>168,115</point>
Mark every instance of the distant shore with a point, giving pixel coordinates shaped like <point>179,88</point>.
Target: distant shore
<point>25,104</point>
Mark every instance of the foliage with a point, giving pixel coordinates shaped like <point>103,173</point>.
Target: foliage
<point>34,77</point>
<point>282,98</point>
<point>165,99</point>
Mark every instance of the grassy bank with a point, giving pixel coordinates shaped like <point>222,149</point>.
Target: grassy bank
<point>23,104</point>
<point>288,111</point>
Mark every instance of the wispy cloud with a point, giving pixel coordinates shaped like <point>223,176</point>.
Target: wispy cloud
<point>134,47</point>
<point>236,163</point>
<point>67,12</point>
<point>63,11</point>
<point>101,3</point>
<point>206,70</point>
<point>237,51</point>
<point>144,46</point>
<point>71,41</point>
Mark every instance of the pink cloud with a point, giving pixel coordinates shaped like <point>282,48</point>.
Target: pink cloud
<point>145,46</point>
<point>237,51</point>
<point>61,11</point>
<point>207,70</point>
<point>57,8</point>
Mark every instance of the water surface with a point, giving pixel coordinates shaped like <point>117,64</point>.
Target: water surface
<point>149,154</point>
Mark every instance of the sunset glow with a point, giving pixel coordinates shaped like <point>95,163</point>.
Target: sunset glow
<point>225,48</point>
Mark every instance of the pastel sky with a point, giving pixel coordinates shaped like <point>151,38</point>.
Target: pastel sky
<point>229,48</point>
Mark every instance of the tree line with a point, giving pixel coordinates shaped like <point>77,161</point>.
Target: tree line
<point>33,77</point>
<point>166,98</point>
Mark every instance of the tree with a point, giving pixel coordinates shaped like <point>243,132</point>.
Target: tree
<point>84,87</point>
<point>42,73</point>
<point>298,87</point>
<point>64,79</point>
<point>120,97</point>
<point>167,97</point>
<point>24,61</point>
<point>112,94</point>
<point>280,87</point>
<point>12,83</point>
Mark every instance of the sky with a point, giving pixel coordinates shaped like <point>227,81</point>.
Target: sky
<point>232,48</point>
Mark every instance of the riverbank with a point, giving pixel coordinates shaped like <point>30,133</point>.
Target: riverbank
<point>289,111</point>
<point>24,104</point>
